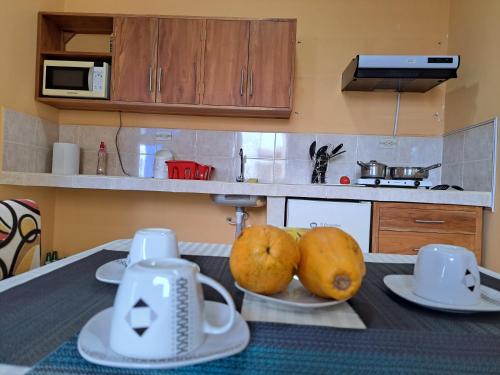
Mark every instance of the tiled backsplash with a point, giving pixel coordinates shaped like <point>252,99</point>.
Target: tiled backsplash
<point>28,142</point>
<point>270,157</point>
<point>469,155</point>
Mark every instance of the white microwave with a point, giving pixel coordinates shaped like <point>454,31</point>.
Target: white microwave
<point>79,79</point>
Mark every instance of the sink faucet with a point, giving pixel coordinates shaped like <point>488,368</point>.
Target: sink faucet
<point>241,177</point>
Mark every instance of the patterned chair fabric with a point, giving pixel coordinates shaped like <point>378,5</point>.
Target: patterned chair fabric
<point>20,237</point>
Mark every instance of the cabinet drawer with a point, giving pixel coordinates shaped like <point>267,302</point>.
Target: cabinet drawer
<point>409,242</point>
<point>427,220</point>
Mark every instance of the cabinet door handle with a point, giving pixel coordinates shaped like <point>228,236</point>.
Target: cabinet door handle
<point>251,82</point>
<point>429,221</point>
<point>241,81</point>
<point>160,75</point>
<point>150,79</point>
<point>416,250</point>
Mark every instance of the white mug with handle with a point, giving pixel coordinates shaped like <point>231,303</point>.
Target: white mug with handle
<point>158,310</point>
<point>150,243</point>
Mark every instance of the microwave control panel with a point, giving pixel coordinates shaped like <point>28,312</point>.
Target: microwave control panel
<point>98,79</point>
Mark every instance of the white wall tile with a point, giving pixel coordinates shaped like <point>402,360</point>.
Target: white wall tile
<point>292,171</point>
<point>47,133</point>
<point>256,145</point>
<point>478,143</point>
<point>136,140</point>
<point>90,137</point>
<point>293,146</point>
<point>453,148</point>
<point>337,170</point>
<point>68,133</point>
<point>262,169</point>
<point>215,143</point>
<point>452,174</point>
<point>419,151</point>
<point>349,142</point>
<point>369,149</point>
<point>20,127</point>
<point>477,175</point>
<point>182,144</point>
<point>224,167</point>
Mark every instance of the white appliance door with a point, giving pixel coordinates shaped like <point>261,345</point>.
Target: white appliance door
<point>352,217</point>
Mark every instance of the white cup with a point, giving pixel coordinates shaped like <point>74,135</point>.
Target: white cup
<point>150,243</point>
<point>158,310</point>
<point>447,274</point>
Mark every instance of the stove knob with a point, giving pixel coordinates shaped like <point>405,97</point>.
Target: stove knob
<point>417,183</point>
<point>377,181</point>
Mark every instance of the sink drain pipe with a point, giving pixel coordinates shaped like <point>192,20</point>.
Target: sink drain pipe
<point>241,216</point>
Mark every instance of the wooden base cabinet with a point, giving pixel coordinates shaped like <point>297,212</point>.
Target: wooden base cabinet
<point>402,228</point>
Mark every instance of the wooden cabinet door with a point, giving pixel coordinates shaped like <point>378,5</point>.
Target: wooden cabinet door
<point>226,59</point>
<point>134,59</point>
<point>179,60</point>
<point>271,63</point>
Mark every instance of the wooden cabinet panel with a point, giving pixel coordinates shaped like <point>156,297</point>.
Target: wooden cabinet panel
<point>411,242</point>
<point>225,62</point>
<point>271,63</point>
<point>425,220</point>
<point>179,60</point>
<point>402,228</point>
<point>134,59</point>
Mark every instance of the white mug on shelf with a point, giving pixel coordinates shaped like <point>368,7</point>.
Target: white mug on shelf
<point>447,274</point>
<point>158,310</point>
<point>150,243</point>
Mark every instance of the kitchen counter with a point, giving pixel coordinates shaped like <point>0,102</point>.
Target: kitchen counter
<point>467,198</point>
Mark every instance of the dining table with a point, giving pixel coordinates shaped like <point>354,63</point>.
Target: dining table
<point>43,311</point>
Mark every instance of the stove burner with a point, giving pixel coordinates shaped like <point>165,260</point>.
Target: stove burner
<point>375,182</point>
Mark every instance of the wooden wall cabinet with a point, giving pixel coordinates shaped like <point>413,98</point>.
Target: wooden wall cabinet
<point>134,59</point>
<point>249,63</point>
<point>183,65</point>
<point>402,228</point>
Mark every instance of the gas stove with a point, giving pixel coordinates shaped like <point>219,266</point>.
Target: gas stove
<point>394,183</point>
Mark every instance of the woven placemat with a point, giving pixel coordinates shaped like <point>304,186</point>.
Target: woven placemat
<point>304,350</point>
<point>48,310</point>
<point>378,307</point>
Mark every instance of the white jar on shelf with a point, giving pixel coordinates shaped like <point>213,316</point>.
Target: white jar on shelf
<point>160,167</point>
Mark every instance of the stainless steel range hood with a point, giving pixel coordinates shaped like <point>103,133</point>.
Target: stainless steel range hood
<point>400,73</point>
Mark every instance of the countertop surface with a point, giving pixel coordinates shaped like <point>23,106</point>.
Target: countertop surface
<point>353,192</point>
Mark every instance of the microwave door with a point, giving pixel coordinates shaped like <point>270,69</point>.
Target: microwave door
<point>68,78</point>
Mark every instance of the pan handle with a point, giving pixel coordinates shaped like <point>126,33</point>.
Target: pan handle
<point>364,165</point>
<point>434,166</point>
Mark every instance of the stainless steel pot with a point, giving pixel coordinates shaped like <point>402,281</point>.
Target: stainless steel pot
<point>411,173</point>
<point>373,169</point>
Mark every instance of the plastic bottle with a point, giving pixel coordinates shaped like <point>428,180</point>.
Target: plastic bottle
<point>101,159</point>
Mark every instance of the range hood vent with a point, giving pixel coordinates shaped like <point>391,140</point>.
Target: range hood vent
<point>398,73</point>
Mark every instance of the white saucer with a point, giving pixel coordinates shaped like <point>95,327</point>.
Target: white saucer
<point>93,342</point>
<point>295,296</point>
<point>402,285</point>
<point>111,272</point>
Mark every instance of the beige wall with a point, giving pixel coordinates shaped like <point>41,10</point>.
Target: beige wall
<point>330,32</point>
<point>86,218</point>
<point>17,90</point>
<point>474,97</point>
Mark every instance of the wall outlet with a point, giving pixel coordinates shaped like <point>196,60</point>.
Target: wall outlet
<point>163,135</point>
<point>388,142</point>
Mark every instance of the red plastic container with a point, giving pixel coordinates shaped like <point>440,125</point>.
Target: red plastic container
<point>188,170</point>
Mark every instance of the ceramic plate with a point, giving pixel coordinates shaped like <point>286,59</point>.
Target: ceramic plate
<point>403,286</point>
<point>111,272</point>
<point>295,296</point>
<point>93,342</point>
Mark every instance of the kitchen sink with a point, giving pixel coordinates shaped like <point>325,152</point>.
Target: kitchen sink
<point>239,200</point>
